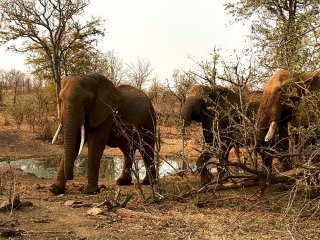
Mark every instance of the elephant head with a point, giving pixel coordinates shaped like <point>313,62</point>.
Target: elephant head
<point>202,104</point>
<point>279,102</point>
<point>196,107</point>
<point>85,100</point>
<point>214,106</point>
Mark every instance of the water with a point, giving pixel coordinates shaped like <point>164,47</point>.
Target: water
<point>110,167</point>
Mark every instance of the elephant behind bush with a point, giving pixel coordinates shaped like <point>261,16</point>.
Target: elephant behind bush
<point>220,112</point>
<point>288,98</point>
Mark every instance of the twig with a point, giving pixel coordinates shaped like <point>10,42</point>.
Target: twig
<point>126,200</point>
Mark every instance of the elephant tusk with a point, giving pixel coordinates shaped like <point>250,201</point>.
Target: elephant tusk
<point>82,139</point>
<point>271,131</point>
<point>56,134</point>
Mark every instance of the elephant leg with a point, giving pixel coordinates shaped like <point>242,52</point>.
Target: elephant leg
<point>147,153</point>
<point>97,139</point>
<point>266,159</point>
<point>223,173</point>
<point>283,146</point>
<point>126,178</point>
<point>205,175</point>
<point>59,187</point>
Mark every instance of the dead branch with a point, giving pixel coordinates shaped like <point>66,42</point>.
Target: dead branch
<point>256,181</point>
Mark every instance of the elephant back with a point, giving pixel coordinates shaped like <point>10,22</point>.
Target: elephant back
<point>200,91</point>
<point>135,106</point>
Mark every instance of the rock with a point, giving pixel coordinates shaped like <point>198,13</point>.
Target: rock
<point>26,204</point>
<point>6,205</point>
<point>77,204</point>
<point>8,233</point>
<point>37,186</point>
<point>95,211</point>
<point>72,202</point>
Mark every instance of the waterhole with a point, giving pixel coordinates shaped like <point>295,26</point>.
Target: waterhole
<point>110,167</point>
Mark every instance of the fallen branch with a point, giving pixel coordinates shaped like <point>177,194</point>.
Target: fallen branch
<point>262,181</point>
<point>255,181</point>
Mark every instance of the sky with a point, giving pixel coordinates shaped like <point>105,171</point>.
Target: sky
<point>164,32</point>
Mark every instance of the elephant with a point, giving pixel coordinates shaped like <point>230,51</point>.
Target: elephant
<point>95,111</point>
<point>215,108</point>
<point>279,112</point>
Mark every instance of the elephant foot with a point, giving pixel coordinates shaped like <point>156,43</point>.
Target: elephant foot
<point>124,180</point>
<point>206,178</point>
<point>57,189</point>
<point>147,181</point>
<point>91,190</point>
<point>223,175</point>
<point>151,176</point>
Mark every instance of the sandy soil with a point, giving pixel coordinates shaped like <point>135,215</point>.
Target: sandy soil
<point>168,212</point>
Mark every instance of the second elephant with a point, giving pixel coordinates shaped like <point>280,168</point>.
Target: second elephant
<point>216,109</point>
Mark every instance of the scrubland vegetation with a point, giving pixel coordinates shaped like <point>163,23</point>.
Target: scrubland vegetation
<point>253,204</point>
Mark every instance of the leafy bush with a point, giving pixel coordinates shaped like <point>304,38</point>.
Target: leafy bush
<point>18,110</point>
<point>45,129</point>
<point>32,109</point>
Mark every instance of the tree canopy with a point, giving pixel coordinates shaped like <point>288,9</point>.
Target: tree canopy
<point>51,31</point>
<point>285,33</point>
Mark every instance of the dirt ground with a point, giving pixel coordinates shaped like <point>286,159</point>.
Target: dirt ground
<point>168,212</point>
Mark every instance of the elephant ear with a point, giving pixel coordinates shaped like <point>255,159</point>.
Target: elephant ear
<point>105,103</point>
<point>299,85</point>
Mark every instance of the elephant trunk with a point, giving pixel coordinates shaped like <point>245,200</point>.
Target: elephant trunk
<point>191,110</point>
<point>186,115</point>
<point>72,123</point>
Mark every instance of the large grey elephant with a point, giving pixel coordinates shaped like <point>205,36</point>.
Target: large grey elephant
<point>218,111</point>
<point>123,117</point>
<point>279,107</point>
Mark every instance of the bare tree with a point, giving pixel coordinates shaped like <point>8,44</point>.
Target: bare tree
<point>2,86</point>
<point>139,73</point>
<point>49,28</point>
<point>182,82</point>
<point>114,67</point>
<point>15,80</point>
<point>284,33</point>
<point>208,68</point>
<point>155,90</point>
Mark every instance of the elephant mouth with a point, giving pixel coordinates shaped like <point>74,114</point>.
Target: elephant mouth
<point>272,129</point>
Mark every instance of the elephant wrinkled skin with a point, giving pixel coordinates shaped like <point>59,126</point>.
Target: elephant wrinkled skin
<point>279,107</point>
<point>212,107</point>
<point>120,117</point>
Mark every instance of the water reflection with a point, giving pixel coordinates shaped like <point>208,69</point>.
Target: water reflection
<point>110,167</point>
